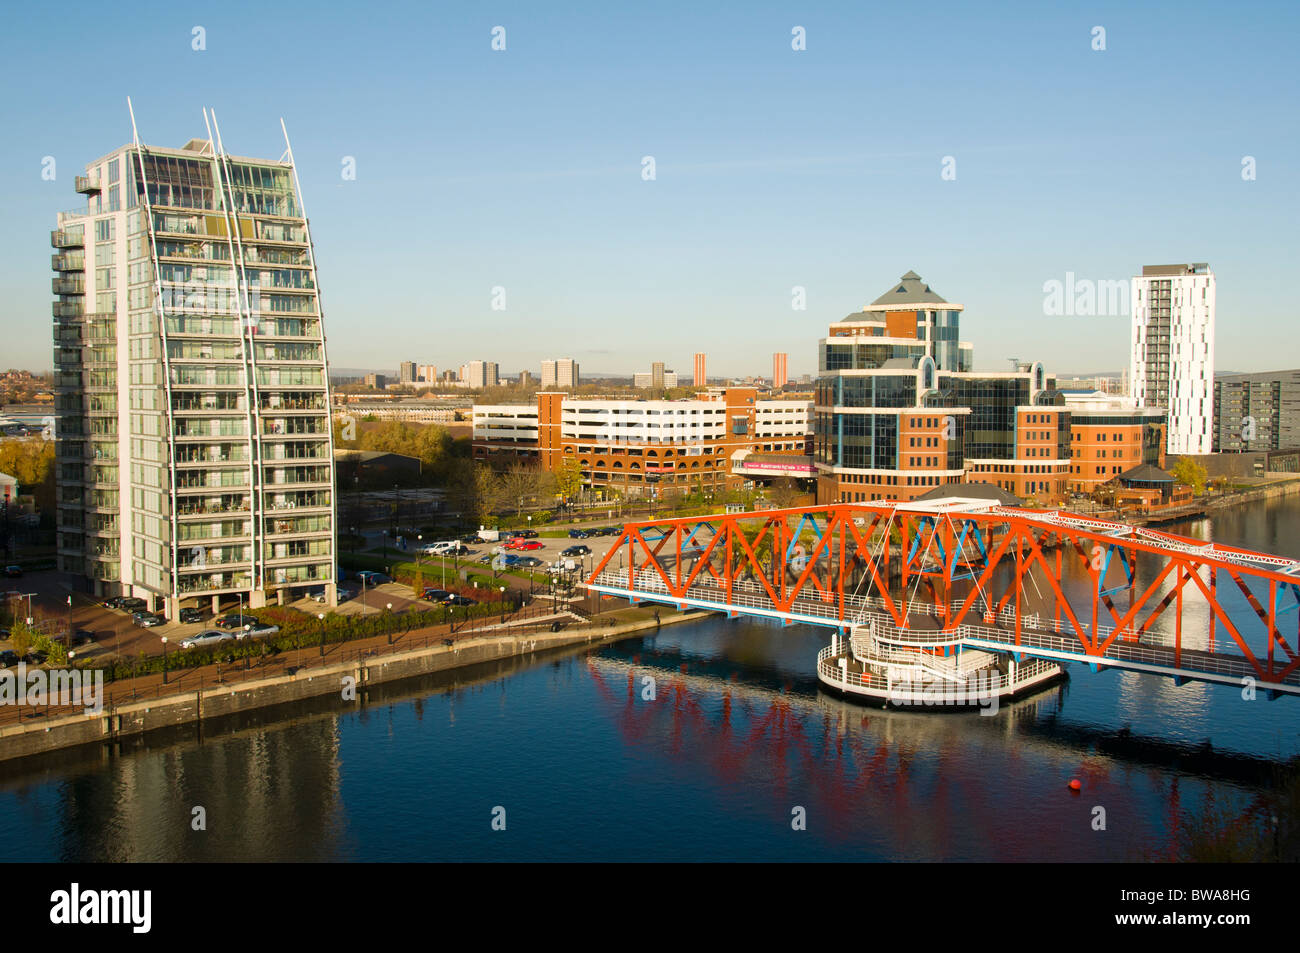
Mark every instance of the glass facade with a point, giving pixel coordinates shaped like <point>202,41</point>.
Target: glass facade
<point>210,284</point>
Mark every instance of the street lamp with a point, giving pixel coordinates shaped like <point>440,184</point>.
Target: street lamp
<point>164,645</point>
<point>385,535</point>
<point>503,605</point>
<point>321,616</point>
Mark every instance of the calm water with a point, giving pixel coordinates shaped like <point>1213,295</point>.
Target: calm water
<point>736,739</point>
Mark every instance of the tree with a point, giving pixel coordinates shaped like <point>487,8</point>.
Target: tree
<point>568,478</point>
<point>1190,473</point>
<point>785,492</point>
<point>519,487</point>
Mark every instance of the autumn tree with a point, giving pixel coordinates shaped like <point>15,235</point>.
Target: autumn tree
<point>568,478</point>
<point>1190,473</point>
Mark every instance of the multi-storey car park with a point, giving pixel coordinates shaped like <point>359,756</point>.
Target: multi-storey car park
<point>194,455</point>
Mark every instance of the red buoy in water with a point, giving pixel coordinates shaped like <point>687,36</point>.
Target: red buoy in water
<point>1076,784</point>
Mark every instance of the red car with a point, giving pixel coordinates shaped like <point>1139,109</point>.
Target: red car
<point>519,542</point>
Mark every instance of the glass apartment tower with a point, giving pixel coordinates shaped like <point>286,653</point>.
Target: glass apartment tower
<point>194,449</point>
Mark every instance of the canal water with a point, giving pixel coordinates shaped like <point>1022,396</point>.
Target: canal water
<point>709,740</point>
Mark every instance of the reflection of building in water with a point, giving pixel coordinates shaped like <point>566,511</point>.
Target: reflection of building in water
<point>269,794</point>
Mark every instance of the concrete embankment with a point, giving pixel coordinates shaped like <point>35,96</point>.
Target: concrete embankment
<point>219,701</point>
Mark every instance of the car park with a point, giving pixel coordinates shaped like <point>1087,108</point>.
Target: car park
<point>188,616</point>
<point>205,638</point>
<point>148,619</point>
<point>576,551</point>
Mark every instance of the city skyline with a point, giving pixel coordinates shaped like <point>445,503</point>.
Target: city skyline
<point>747,217</point>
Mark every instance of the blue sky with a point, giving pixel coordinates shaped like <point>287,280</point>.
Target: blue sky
<point>774,168</point>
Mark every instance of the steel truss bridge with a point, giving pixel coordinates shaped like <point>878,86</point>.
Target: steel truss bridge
<point>934,577</point>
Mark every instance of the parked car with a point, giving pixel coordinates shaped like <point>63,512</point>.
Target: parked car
<point>34,658</point>
<point>257,631</point>
<point>148,619</point>
<point>13,572</point>
<point>372,578</point>
<point>82,637</point>
<point>191,615</point>
<point>346,592</point>
<point>528,562</point>
<point>456,600</point>
<point>435,595</point>
<point>523,533</point>
<point>132,604</point>
<point>8,658</point>
<point>112,602</point>
<point>520,542</point>
<point>235,621</point>
<point>580,533</point>
<point>205,638</point>
<point>576,551</point>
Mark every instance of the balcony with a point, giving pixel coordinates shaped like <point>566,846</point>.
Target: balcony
<point>69,285</point>
<point>62,239</point>
<point>65,262</point>
<point>87,185</point>
<point>68,309</point>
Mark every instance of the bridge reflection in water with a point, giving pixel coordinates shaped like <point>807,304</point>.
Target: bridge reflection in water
<point>917,585</point>
<point>864,774</point>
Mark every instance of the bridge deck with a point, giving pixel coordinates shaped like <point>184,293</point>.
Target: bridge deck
<point>1039,637</point>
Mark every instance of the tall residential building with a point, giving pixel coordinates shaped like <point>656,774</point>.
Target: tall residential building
<point>1171,361</point>
<point>700,379</point>
<point>779,374</point>
<point>194,453</point>
<point>656,378</point>
<point>1254,412</point>
<point>377,381</point>
<point>479,374</point>
<point>406,372</point>
<point>560,373</point>
<point>427,373</point>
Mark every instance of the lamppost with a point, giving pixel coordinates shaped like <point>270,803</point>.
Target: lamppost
<point>387,626</point>
<point>503,605</point>
<point>321,616</point>
<point>164,645</point>
<point>385,535</point>
<point>451,610</point>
